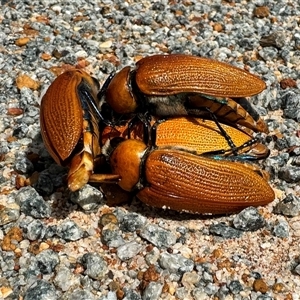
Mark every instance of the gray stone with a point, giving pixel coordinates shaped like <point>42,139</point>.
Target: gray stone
<point>224,231</point>
<point>175,263</point>
<point>69,231</point>
<point>41,290</point>
<point>88,198</point>
<point>128,250</point>
<point>289,206</point>
<point>32,204</point>
<point>158,236</point>
<point>249,219</point>
<point>47,261</point>
<point>95,265</point>
<point>152,291</point>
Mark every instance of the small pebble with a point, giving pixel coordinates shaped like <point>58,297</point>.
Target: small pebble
<point>175,263</point>
<point>32,204</point>
<point>249,219</point>
<point>132,222</point>
<point>297,270</point>
<point>95,265</point>
<point>158,236</point>
<point>15,234</point>
<point>9,213</point>
<point>50,179</point>
<point>34,230</point>
<point>261,11</point>
<point>275,39</point>
<point>259,285</point>
<point>47,261</point>
<point>153,256</point>
<point>106,219</point>
<point>224,231</point>
<point>182,293</point>
<point>288,83</point>
<point>290,174</point>
<point>23,165</point>
<point>22,41</point>
<point>50,231</point>
<point>65,279</point>
<point>88,198</point>
<point>281,229</point>
<point>69,231</point>
<point>131,295</point>
<point>190,279</point>
<point>210,289</point>
<point>112,235</point>
<point>128,250</point>
<point>79,294</point>
<point>41,290</point>
<point>289,206</point>
<point>152,291</point>
<point>24,81</point>
<point>264,297</point>
<point>224,291</point>
<point>235,287</point>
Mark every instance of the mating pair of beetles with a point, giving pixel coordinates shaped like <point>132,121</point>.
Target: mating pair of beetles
<point>187,140</point>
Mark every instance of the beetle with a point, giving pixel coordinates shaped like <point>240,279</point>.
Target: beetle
<point>69,125</point>
<point>178,84</point>
<point>183,181</point>
<point>195,135</point>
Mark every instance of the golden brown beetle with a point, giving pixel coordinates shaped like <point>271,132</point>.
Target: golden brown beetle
<point>194,135</point>
<point>176,84</point>
<point>69,125</point>
<point>183,181</point>
<point>169,175</point>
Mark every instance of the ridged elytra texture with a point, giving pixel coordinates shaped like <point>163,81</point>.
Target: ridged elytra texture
<point>61,115</point>
<point>186,182</point>
<point>195,134</point>
<point>178,73</point>
<point>191,134</point>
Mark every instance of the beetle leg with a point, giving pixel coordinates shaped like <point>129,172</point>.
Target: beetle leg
<point>228,110</point>
<point>145,119</point>
<point>104,178</point>
<point>82,166</point>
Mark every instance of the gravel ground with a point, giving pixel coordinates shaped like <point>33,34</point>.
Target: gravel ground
<point>55,245</point>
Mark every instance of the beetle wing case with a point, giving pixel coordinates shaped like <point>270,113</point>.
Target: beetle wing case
<point>61,116</point>
<point>179,73</point>
<point>185,182</point>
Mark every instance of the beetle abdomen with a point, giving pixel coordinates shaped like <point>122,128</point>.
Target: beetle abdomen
<point>178,73</point>
<point>186,182</point>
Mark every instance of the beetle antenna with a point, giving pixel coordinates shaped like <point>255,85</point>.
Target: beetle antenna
<point>237,157</point>
<point>223,132</point>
